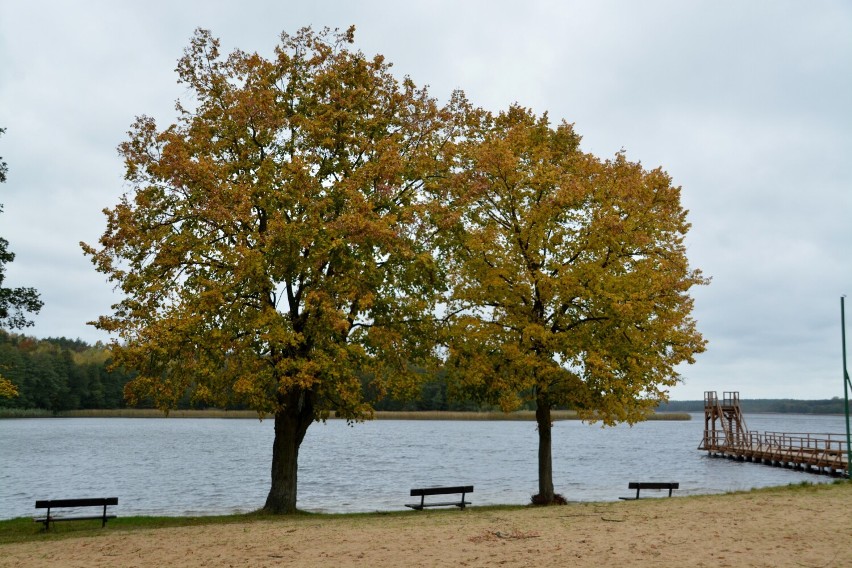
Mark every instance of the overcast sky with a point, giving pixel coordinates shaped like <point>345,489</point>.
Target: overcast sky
<point>748,105</point>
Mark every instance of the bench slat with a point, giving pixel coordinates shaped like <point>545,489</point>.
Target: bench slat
<point>441,490</point>
<point>91,502</point>
<point>652,485</point>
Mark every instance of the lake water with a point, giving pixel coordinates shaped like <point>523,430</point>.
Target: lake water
<point>181,466</point>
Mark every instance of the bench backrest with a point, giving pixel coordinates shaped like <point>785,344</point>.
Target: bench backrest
<point>51,503</point>
<point>441,490</point>
<point>652,485</point>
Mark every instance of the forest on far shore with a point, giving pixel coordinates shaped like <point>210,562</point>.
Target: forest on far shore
<point>765,405</point>
<point>59,374</point>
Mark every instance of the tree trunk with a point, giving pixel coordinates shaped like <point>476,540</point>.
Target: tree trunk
<point>545,454</point>
<point>291,424</point>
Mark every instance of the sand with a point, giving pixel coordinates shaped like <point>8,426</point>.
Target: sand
<point>809,527</point>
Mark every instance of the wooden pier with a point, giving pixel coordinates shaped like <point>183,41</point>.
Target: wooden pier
<point>726,435</point>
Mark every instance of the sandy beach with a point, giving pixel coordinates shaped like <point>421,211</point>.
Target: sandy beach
<point>801,526</point>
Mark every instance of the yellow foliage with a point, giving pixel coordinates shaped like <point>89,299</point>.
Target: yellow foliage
<point>7,388</point>
<point>273,247</point>
<point>571,278</point>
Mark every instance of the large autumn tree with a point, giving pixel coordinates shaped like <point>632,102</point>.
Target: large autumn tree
<point>272,250</point>
<point>570,278</point>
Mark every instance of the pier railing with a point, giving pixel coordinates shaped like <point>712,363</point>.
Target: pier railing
<point>826,451</point>
<point>725,434</point>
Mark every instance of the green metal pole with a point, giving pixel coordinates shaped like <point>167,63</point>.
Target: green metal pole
<point>846,386</point>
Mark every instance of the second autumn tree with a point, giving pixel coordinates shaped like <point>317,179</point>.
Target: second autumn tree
<point>570,281</point>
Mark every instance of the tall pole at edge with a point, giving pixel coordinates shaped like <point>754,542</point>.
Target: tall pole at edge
<point>847,384</point>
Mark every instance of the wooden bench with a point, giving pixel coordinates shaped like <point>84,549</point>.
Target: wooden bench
<point>422,493</point>
<point>637,485</point>
<point>67,503</point>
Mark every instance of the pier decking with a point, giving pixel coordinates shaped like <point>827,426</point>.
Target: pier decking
<point>726,435</point>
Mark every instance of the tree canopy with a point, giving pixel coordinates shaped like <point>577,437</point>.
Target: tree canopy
<point>569,278</point>
<point>274,247</point>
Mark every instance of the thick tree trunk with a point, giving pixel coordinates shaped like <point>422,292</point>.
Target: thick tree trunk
<point>545,454</point>
<point>291,424</point>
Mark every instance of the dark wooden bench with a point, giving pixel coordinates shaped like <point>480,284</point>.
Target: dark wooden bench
<point>639,485</point>
<point>422,493</point>
<point>67,503</point>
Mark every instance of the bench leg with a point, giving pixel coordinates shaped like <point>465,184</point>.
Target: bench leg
<point>637,493</point>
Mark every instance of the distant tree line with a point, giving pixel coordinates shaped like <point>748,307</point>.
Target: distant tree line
<point>60,374</point>
<point>756,406</point>
<point>434,394</point>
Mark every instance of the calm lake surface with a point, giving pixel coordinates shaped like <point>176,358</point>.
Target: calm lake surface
<point>183,466</point>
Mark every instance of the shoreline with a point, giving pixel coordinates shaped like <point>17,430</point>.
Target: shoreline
<point>800,525</point>
<point>521,415</point>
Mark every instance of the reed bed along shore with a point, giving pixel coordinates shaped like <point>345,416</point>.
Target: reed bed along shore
<point>243,414</point>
